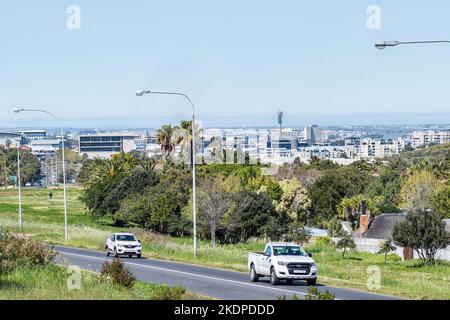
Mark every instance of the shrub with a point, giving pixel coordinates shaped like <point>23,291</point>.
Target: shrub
<point>345,243</point>
<point>22,251</point>
<point>315,294</point>
<point>324,241</point>
<point>170,293</point>
<point>386,248</point>
<point>118,273</point>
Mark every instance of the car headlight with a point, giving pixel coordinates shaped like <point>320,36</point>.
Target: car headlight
<point>282,263</point>
<point>120,245</point>
<point>313,264</point>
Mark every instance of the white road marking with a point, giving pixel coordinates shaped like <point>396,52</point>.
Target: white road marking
<point>192,274</point>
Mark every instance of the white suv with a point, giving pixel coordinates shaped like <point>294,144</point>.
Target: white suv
<point>123,244</point>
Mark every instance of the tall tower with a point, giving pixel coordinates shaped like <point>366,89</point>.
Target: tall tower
<point>280,122</point>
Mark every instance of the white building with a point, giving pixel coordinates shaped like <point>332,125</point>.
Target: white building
<point>34,134</point>
<point>380,148</point>
<point>422,138</point>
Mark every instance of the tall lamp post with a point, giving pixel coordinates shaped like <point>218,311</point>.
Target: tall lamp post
<point>18,110</point>
<point>19,184</point>
<point>384,44</point>
<point>141,93</point>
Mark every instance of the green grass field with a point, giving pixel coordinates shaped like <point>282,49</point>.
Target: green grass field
<point>50,283</point>
<point>44,219</point>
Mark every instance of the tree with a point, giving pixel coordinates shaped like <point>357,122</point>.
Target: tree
<point>213,203</point>
<point>294,201</point>
<point>332,186</point>
<point>249,215</point>
<point>386,248</point>
<point>346,242</point>
<point>350,208</point>
<point>165,139</point>
<point>387,185</point>
<point>418,190</point>
<point>424,232</point>
<point>440,201</point>
<point>300,171</point>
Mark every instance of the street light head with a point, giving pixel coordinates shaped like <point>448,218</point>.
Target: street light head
<point>17,110</point>
<point>383,44</point>
<point>139,93</point>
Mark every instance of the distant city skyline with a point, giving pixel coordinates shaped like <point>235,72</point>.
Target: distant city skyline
<point>242,121</point>
<point>239,62</point>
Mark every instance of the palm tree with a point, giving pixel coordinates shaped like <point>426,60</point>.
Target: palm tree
<point>165,139</point>
<point>183,137</point>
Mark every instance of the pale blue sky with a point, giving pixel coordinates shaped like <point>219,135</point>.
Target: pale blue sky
<point>237,60</point>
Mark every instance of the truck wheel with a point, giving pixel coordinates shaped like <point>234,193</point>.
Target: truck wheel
<point>273,277</point>
<point>253,275</point>
<point>311,282</point>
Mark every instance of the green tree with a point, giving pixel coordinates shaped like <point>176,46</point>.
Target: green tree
<point>386,248</point>
<point>424,232</point>
<point>295,201</point>
<point>440,201</point>
<point>165,139</point>
<point>346,243</point>
<point>418,190</point>
<point>332,186</point>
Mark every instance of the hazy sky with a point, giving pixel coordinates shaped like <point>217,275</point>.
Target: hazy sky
<point>237,60</point>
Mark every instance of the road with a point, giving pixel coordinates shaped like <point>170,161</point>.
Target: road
<point>216,283</point>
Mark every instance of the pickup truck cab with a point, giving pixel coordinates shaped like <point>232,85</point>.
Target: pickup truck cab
<point>282,261</point>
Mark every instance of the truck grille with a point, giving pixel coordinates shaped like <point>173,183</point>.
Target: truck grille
<point>298,266</point>
<point>128,246</point>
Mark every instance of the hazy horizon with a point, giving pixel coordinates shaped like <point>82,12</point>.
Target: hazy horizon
<point>355,119</point>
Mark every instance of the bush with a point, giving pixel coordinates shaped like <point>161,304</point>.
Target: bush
<point>315,294</point>
<point>170,293</point>
<point>117,273</point>
<point>324,241</point>
<point>21,251</point>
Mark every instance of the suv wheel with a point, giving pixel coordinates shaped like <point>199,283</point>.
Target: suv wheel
<point>139,256</point>
<point>253,275</point>
<point>116,255</point>
<point>273,277</point>
<point>107,251</point>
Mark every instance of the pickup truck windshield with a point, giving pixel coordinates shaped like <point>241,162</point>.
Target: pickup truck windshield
<point>288,251</point>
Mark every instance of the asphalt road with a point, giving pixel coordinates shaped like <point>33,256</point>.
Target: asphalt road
<point>216,283</point>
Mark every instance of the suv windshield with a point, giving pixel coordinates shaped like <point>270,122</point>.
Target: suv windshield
<point>289,251</point>
<point>125,237</point>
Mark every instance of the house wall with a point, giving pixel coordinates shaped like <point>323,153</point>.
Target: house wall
<point>373,246</point>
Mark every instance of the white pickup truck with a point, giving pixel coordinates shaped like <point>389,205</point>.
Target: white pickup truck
<point>282,261</point>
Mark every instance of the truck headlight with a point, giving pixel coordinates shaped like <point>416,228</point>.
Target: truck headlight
<point>282,263</point>
<point>313,264</point>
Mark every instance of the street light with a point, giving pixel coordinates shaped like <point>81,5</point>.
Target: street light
<point>141,93</point>
<point>19,184</point>
<point>18,110</point>
<point>383,44</point>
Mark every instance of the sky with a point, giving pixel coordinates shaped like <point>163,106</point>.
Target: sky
<point>239,61</point>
